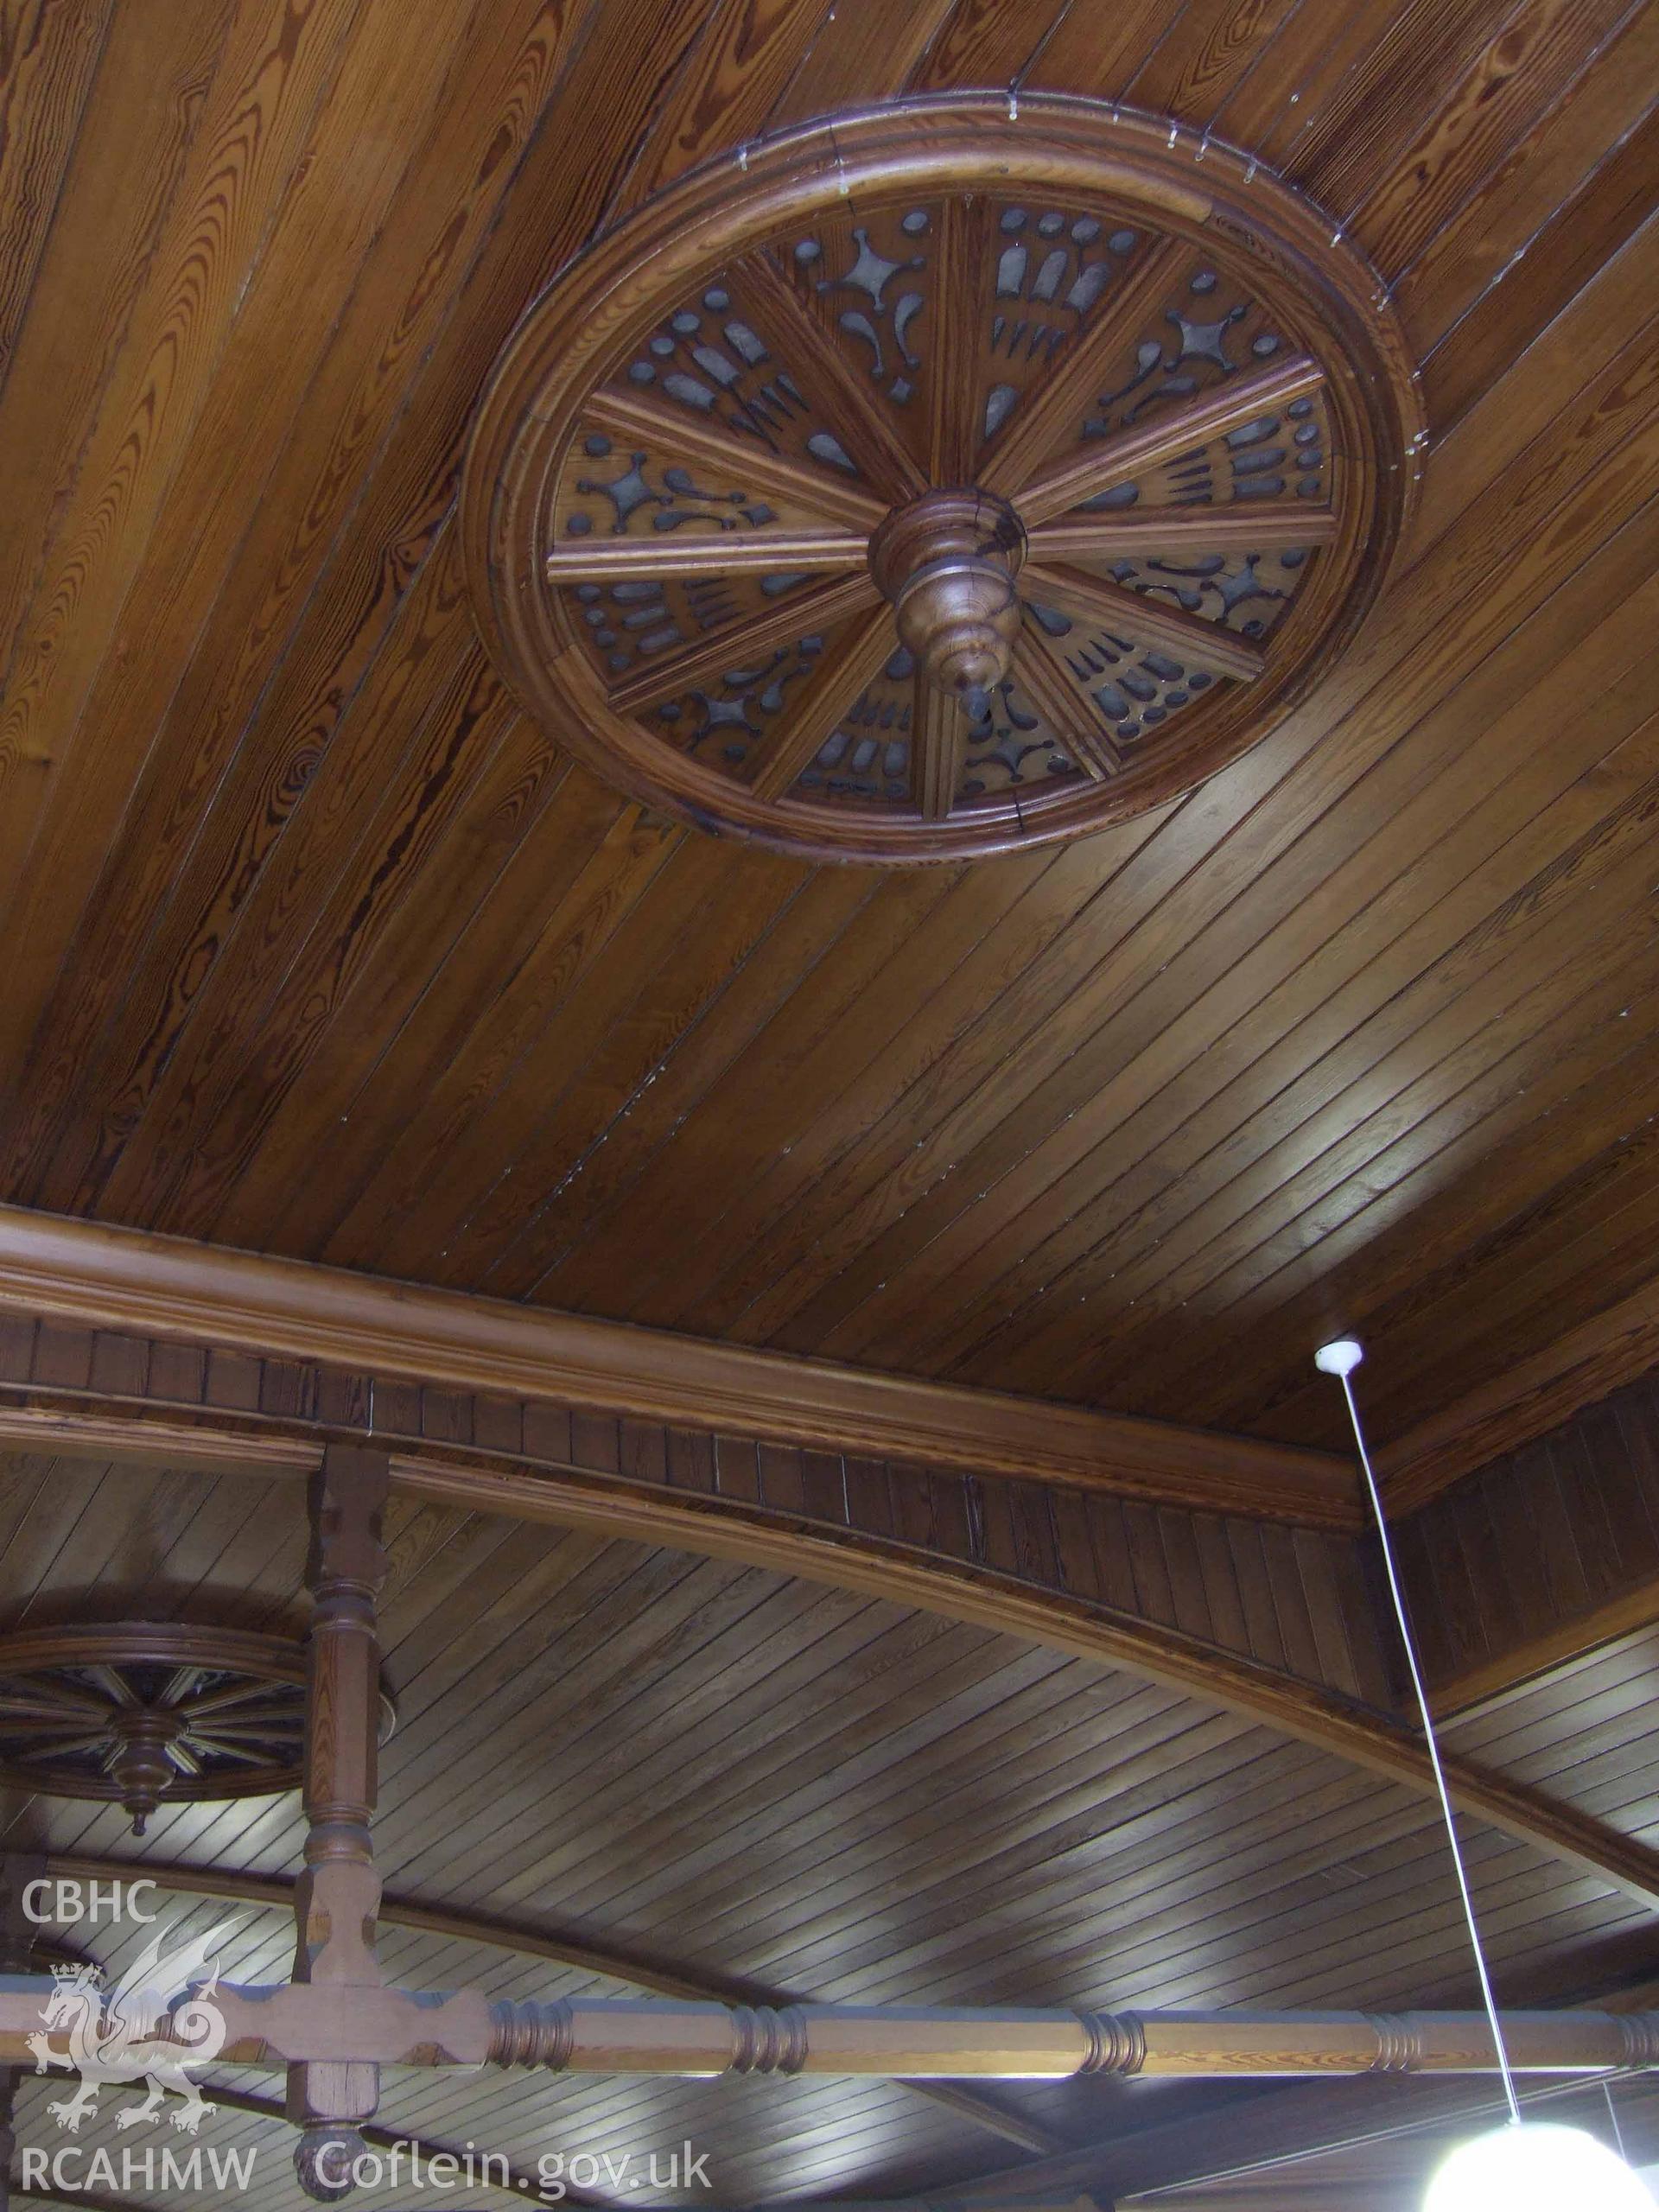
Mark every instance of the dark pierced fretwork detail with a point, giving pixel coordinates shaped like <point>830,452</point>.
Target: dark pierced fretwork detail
<point>674,533</point>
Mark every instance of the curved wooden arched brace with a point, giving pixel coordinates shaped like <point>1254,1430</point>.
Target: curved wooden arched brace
<point>849,1557</point>
<point>962,1591</point>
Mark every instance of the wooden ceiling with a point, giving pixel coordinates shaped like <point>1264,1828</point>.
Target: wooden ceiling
<point>716,1774</point>
<point>316,945</point>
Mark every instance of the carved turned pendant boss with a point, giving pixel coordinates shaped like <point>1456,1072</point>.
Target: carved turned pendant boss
<point>940,481</point>
<point>153,1713</point>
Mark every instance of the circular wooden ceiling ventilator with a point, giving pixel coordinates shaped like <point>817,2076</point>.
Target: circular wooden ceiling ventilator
<point>152,1713</point>
<point>942,481</point>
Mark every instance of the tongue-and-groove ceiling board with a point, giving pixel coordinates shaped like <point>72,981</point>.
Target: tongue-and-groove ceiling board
<point>316,942</point>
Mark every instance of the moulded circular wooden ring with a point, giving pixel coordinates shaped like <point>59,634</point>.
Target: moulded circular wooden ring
<point>209,1713</point>
<point>1191,390</point>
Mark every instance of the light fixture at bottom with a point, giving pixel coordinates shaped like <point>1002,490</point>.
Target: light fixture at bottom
<point>1539,2166</point>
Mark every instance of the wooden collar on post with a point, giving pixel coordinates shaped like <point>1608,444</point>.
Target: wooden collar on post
<point>337,1897</point>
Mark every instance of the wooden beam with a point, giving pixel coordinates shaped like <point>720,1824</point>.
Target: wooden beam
<point>939,742</point>
<point>1259,2133</point>
<point>1166,435</point>
<point>308,2024</point>
<point>1195,640</point>
<point>796,337</point>
<point>1263,526</point>
<point>337,1896</point>
<point>640,1970</point>
<point>762,553</point>
<point>830,691</point>
<point>678,433</point>
<point>744,641</point>
<point>126,1278</point>
<point>1046,418</point>
<point>1614,1347</point>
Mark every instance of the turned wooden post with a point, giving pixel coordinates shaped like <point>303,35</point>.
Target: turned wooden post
<point>17,1936</point>
<point>337,1896</point>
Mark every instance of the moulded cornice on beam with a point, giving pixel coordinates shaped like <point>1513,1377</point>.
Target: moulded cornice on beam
<point>122,1278</point>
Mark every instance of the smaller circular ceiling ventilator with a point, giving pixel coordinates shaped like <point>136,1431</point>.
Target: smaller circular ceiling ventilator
<point>940,481</point>
<point>153,1713</point>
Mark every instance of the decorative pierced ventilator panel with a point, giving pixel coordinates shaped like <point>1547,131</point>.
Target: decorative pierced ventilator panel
<point>153,1713</point>
<point>961,483</point>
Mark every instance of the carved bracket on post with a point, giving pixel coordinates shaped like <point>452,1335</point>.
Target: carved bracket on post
<point>337,1897</point>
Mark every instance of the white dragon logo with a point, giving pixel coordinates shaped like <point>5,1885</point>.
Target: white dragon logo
<point>113,2040</point>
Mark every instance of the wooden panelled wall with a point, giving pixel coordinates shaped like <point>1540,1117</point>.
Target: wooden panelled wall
<point>1537,1556</point>
<point>316,945</point>
<point>1543,1554</point>
<point>1292,1598</point>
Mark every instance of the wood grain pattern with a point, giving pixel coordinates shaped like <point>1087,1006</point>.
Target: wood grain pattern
<point>1539,1553</point>
<point>265,93</point>
<point>322,950</point>
<point>1579,130</point>
<point>732,78</point>
<point>1528,63</point>
<point>49,58</point>
<point>97,257</point>
<point>490,143</point>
